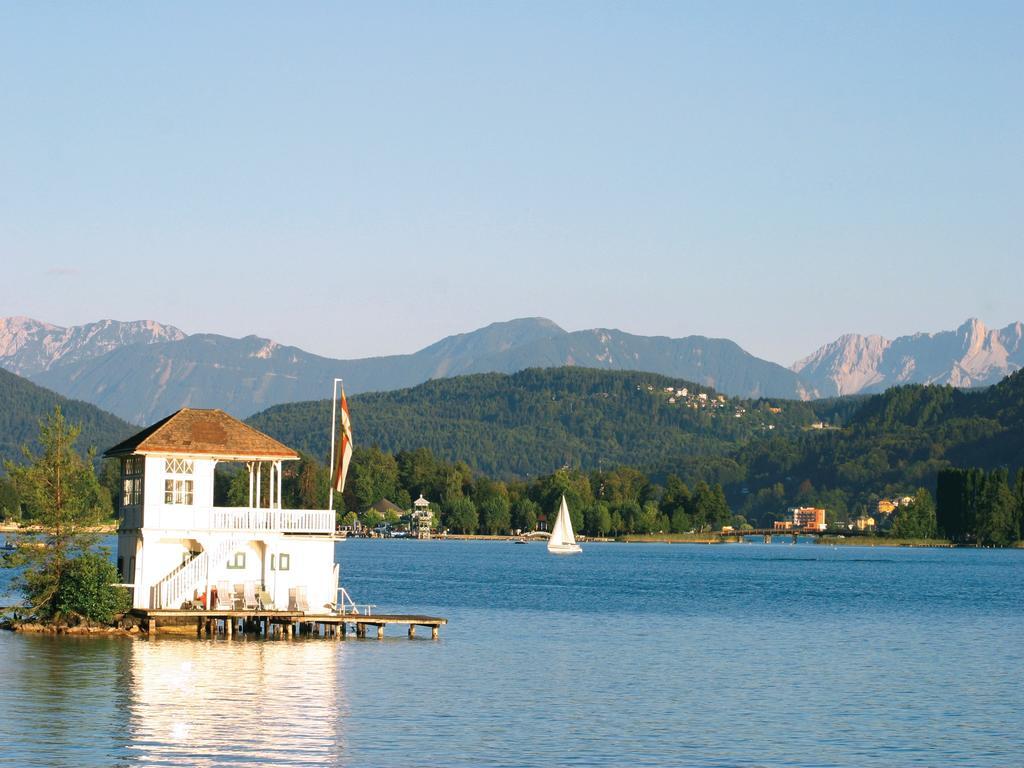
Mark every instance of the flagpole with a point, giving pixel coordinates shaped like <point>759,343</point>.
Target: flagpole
<point>331,467</point>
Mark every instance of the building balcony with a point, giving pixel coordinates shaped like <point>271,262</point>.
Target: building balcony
<point>182,517</point>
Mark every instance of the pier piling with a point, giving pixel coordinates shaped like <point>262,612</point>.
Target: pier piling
<point>282,624</point>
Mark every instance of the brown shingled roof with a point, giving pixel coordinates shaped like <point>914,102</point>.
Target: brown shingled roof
<point>201,432</point>
<point>386,505</point>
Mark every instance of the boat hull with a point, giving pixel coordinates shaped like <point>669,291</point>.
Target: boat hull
<point>566,549</point>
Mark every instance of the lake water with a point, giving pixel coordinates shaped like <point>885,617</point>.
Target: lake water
<point>674,655</point>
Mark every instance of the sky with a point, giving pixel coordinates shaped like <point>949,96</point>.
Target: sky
<point>364,179</point>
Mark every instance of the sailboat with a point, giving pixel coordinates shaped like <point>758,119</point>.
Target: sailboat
<point>562,541</point>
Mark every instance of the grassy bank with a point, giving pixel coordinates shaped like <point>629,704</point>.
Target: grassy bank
<point>674,538</point>
<point>882,541</point>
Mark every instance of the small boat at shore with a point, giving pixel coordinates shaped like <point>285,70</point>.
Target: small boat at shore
<point>562,541</point>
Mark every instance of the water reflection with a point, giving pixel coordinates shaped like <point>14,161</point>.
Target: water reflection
<point>239,701</point>
<point>55,702</point>
<point>631,655</point>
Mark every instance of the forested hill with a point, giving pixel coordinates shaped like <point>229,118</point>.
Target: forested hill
<point>538,420</point>
<point>843,454</point>
<point>23,404</point>
<point>892,443</point>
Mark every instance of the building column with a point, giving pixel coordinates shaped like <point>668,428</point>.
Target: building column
<point>248,465</point>
<point>278,484</point>
<point>270,485</point>
<point>141,598</point>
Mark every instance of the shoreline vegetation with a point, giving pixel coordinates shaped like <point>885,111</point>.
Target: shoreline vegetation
<point>888,541</point>
<point>12,527</point>
<point>713,538</point>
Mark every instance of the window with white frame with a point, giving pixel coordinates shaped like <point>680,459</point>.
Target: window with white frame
<point>179,466</point>
<point>178,482</point>
<point>131,481</point>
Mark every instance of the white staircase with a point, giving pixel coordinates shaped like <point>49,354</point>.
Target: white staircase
<point>181,584</point>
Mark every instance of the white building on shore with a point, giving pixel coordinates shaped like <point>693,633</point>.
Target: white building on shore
<point>174,546</point>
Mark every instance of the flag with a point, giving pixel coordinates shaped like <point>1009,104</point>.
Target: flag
<point>345,447</point>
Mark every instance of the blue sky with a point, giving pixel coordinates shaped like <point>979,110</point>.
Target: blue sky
<point>365,179</point>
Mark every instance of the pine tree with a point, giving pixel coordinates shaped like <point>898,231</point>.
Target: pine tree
<point>64,502</point>
<point>996,513</point>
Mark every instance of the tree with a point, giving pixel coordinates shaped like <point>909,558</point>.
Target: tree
<point>110,479</point>
<point>496,515</point>
<point>238,489</point>
<point>648,519</point>
<point>628,513</point>
<point>950,492</point>
<point>312,486</point>
<point>372,518</point>
<point>10,506</point>
<point>680,521</point>
<point>617,523</point>
<point>598,519</point>
<point>710,509</point>
<point>917,519</point>
<point>524,514</point>
<point>624,484</point>
<point>61,495</point>
<point>461,516</point>
<point>996,515</point>
<point>85,589</point>
<point>458,480</point>
<point>1018,494</point>
<point>574,485</point>
<point>420,472</point>
<point>373,476</point>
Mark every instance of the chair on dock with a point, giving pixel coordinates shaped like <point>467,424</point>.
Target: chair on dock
<point>297,600</point>
<point>266,602</point>
<point>249,596</point>
<point>239,597</point>
<point>225,601</point>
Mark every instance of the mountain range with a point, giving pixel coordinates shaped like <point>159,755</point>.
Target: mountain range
<point>144,370</point>
<point>971,356</point>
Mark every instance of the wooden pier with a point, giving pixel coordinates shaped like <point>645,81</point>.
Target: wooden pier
<point>284,623</point>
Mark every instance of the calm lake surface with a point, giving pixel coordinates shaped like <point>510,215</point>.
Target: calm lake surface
<point>675,655</point>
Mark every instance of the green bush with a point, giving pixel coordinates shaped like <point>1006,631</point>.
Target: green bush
<point>85,589</point>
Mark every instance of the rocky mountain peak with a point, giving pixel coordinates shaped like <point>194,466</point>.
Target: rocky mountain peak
<point>971,355</point>
<point>28,346</point>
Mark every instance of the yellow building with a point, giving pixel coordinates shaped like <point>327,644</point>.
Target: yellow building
<point>886,507</point>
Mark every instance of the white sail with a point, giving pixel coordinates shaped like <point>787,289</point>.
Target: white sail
<point>562,540</point>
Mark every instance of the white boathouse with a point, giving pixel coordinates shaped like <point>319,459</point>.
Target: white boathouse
<point>175,547</point>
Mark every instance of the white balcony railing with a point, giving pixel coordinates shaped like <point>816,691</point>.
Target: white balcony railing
<point>182,517</point>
